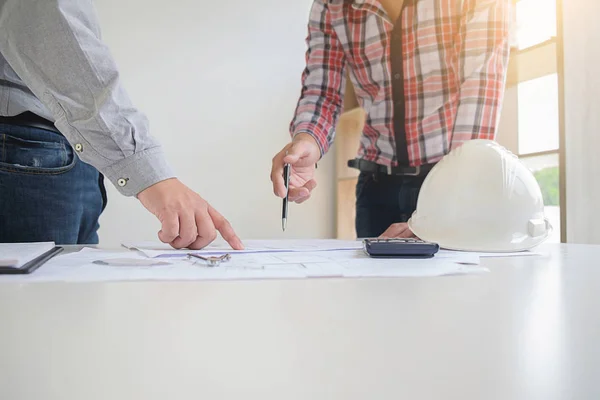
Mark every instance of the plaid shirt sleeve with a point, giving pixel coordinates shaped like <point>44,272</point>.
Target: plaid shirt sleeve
<point>483,65</point>
<point>323,81</point>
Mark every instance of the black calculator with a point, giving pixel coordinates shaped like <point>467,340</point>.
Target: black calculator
<point>400,248</point>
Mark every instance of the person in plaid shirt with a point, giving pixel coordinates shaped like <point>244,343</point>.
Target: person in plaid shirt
<point>430,75</point>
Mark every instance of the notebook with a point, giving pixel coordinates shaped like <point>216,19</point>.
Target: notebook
<point>24,258</point>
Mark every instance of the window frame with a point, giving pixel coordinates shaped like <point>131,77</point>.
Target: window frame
<point>532,63</point>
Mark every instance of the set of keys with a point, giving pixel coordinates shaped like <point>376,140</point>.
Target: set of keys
<point>211,261</point>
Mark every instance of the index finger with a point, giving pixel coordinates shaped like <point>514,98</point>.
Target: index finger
<point>224,227</point>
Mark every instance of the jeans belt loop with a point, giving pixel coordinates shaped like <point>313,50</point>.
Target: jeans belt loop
<point>416,173</point>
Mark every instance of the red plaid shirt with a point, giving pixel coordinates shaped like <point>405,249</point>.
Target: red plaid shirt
<point>455,58</point>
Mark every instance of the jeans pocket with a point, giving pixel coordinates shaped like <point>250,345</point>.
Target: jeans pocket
<point>49,156</point>
<point>408,198</point>
<point>364,180</point>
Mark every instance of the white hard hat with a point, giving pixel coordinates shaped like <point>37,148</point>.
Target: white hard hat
<point>480,197</point>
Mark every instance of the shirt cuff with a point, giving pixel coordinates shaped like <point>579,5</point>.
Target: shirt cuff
<point>318,135</point>
<point>139,171</point>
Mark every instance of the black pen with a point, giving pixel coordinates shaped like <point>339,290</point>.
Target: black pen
<point>286,180</point>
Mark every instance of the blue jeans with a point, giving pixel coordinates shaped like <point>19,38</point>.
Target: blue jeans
<point>46,192</point>
<point>384,200</point>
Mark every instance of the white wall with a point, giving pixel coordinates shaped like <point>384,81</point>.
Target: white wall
<point>582,119</point>
<point>219,81</point>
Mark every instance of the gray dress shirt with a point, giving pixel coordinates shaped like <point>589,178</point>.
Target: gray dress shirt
<point>54,64</point>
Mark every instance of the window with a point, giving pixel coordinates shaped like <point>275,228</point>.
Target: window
<point>536,22</point>
<point>538,115</point>
<point>545,168</point>
<point>533,115</point>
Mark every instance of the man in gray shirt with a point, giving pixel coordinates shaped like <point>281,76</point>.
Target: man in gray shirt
<point>65,122</point>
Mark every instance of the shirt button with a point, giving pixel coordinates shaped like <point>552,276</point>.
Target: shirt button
<point>79,147</point>
<point>397,76</point>
<point>122,182</point>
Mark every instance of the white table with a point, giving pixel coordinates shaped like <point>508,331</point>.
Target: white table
<point>530,329</point>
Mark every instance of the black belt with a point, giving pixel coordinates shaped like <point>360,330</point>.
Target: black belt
<point>29,119</point>
<point>368,166</point>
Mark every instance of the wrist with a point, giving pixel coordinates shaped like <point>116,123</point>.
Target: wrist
<point>308,138</point>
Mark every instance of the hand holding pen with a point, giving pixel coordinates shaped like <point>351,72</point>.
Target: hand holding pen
<point>302,155</point>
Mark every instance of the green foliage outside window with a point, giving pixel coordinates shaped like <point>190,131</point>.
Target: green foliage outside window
<point>548,180</point>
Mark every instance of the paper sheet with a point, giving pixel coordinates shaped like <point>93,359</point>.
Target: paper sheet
<point>18,254</point>
<point>514,254</point>
<point>80,267</point>
<point>460,254</point>
<point>155,249</point>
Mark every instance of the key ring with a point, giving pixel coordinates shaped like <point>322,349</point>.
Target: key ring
<point>211,261</point>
